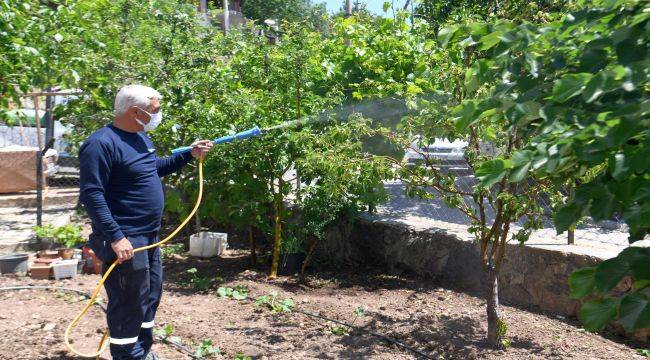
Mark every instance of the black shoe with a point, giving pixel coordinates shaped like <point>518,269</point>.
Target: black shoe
<point>152,356</point>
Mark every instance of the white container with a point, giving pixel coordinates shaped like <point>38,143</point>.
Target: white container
<point>65,269</point>
<point>207,244</point>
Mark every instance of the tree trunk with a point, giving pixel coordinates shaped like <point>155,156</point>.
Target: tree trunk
<point>496,326</point>
<point>251,241</point>
<point>308,257</point>
<point>277,243</point>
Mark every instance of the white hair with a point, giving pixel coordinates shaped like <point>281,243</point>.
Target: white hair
<point>134,95</point>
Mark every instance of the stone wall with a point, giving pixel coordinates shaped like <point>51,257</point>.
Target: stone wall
<point>530,276</point>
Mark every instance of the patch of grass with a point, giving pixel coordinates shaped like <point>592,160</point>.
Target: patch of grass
<point>643,352</point>
<point>171,249</point>
<point>200,283</point>
<point>241,356</point>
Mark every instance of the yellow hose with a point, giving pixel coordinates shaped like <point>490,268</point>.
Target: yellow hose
<point>103,343</point>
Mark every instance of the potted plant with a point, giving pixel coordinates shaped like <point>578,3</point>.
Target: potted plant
<point>68,236</point>
<point>292,255</point>
<point>46,234</point>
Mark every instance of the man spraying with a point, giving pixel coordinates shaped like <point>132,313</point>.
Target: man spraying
<point>121,190</point>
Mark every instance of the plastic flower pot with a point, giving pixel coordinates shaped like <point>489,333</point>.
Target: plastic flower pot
<point>65,269</point>
<point>291,263</point>
<point>13,263</point>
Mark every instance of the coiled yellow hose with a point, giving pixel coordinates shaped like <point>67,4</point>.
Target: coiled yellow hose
<point>103,343</point>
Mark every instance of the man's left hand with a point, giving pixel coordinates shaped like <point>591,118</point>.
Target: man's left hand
<point>201,148</point>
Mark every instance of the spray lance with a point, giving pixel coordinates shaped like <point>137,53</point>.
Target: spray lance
<point>253,132</point>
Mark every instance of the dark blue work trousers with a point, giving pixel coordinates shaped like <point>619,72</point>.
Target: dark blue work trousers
<point>134,289</point>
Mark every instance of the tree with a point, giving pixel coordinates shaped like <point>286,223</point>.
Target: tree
<point>282,10</point>
<point>439,13</point>
<point>573,94</point>
<point>37,47</point>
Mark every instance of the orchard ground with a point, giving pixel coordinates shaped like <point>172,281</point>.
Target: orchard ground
<point>443,323</point>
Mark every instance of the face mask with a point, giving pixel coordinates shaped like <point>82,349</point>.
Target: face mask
<point>154,120</point>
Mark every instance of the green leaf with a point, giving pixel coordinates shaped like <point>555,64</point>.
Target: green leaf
<point>471,80</point>
<point>635,311</point>
<point>569,86</point>
<point>566,216</point>
<point>386,6</point>
<point>492,171</point>
<point>639,260</point>
<point>609,273</point>
<point>603,204</point>
<point>490,40</point>
<point>519,173</point>
<point>223,292</point>
<point>596,86</point>
<point>445,35</point>
<point>595,314</point>
<point>581,282</point>
<point>465,114</point>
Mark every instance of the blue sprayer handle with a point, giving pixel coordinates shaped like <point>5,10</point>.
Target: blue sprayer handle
<point>255,131</point>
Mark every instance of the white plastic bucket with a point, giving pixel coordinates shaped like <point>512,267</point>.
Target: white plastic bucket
<point>207,244</point>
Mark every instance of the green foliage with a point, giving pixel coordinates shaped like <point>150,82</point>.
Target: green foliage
<point>344,330</point>
<point>165,332</point>
<point>441,12</point>
<point>206,349</point>
<point>340,330</point>
<point>582,79</point>
<point>274,304</point>
<point>214,85</point>
<point>200,283</point>
<point>240,292</point>
<point>171,249</point>
<point>241,356</point>
<point>67,235</point>
<point>292,245</point>
<point>44,232</point>
<point>632,308</point>
<point>575,91</point>
<point>282,10</point>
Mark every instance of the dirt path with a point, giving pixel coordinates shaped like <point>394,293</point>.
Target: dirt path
<point>443,323</point>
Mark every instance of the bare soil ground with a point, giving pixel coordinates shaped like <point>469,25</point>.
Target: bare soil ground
<point>443,323</point>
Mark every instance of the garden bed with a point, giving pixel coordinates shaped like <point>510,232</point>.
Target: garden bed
<point>437,321</point>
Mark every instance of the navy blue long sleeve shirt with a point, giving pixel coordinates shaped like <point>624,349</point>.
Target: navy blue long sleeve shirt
<point>120,183</point>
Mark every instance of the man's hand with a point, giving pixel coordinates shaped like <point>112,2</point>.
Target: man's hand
<point>201,148</point>
<point>123,249</point>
